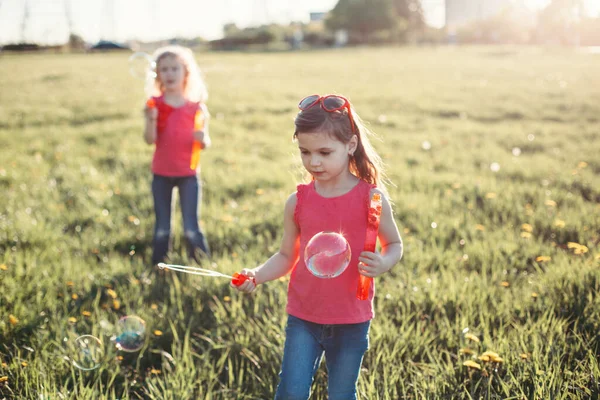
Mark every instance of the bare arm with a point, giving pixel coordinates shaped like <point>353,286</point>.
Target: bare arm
<point>391,244</point>
<point>282,262</point>
<point>151,114</point>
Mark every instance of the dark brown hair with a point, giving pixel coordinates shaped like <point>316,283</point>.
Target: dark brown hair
<point>365,163</point>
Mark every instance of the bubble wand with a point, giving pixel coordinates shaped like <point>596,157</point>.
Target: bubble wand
<point>237,279</point>
<point>199,120</point>
<point>364,282</point>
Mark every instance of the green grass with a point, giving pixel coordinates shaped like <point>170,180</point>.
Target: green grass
<point>76,220</point>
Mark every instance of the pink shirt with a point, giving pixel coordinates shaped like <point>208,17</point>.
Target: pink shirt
<point>330,301</point>
<point>175,139</point>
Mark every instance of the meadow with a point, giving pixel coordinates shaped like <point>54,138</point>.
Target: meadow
<point>494,157</point>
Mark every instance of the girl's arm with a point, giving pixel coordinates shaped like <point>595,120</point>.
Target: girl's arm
<point>374,264</point>
<point>202,135</point>
<point>284,260</point>
<point>151,114</point>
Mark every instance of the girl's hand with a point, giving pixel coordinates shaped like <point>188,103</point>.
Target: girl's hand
<point>371,264</point>
<point>249,286</point>
<point>151,113</point>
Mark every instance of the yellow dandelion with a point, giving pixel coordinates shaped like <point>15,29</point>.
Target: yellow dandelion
<point>466,350</point>
<point>505,284</point>
<point>455,185</point>
<point>157,333</point>
<point>72,320</point>
<point>24,363</point>
<point>226,298</point>
<point>525,235</point>
<point>227,218</point>
<point>86,313</point>
<point>527,227</point>
<point>577,248</point>
<point>4,365</point>
<point>582,164</point>
<point>3,267</point>
<point>559,223</point>
<point>74,296</point>
<point>550,203</point>
<point>259,191</point>
<point>131,218</point>
<point>13,320</point>
<point>406,231</point>
<point>70,283</point>
<point>479,227</point>
<point>490,354</point>
<point>497,359</point>
<point>472,364</point>
<point>471,337</point>
<point>120,358</point>
<point>111,293</point>
<point>155,371</point>
<point>154,306</point>
<point>534,295</point>
<point>524,356</point>
<point>490,195</point>
<point>116,304</point>
<point>3,379</point>
<point>542,258</point>
<point>484,358</point>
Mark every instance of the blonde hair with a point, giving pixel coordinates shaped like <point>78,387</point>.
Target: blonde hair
<point>195,88</point>
<point>365,163</point>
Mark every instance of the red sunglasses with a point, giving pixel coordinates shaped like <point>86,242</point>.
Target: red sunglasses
<point>329,103</point>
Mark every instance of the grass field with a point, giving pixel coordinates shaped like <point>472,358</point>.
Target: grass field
<point>494,155</point>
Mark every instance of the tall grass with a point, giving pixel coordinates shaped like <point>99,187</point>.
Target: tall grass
<point>494,157</point>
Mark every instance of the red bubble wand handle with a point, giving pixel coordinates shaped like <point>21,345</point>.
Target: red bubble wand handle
<point>364,282</point>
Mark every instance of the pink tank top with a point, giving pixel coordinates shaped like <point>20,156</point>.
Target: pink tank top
<point>330,301</point>
<point>175,139</point>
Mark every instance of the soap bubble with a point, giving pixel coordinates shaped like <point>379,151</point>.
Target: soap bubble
<point>86,352</point>
<point>141,66</point>
<point>327,255</point>
<point>131,333</point>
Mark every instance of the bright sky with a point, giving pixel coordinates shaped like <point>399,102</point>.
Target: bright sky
<point>147,20</point>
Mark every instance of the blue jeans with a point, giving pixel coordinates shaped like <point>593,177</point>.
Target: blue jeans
<point>344,346</point>
<point>190,197</point>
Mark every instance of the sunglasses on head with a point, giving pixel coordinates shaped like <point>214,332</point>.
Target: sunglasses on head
<point>329,103</point>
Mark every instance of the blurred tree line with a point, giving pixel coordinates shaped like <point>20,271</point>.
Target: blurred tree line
<point>402,22</point>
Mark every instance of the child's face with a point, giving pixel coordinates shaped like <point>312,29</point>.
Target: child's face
<point>323,156</point>
<point>171,73</point>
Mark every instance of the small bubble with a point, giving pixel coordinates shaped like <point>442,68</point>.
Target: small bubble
<point>426,145</point>
<point>531,137</point>
<point>434,225</point>
<point>516,151</point>
<point>495,167</point>
<point>462,242</point>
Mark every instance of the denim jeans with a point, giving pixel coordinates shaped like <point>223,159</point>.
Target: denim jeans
<point>344,346</point>
<point>190,198</point>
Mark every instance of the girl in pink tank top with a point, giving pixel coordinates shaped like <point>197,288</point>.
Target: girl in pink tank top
<point>177,124</point>
<point>325,315</point>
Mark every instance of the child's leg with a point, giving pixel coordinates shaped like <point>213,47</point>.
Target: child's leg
<point>301,358</point>
<point>162,191</point>
<point>190,196</point>
<point>344,350</point>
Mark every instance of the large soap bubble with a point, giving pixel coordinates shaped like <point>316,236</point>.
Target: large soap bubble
<point>327,254</point>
